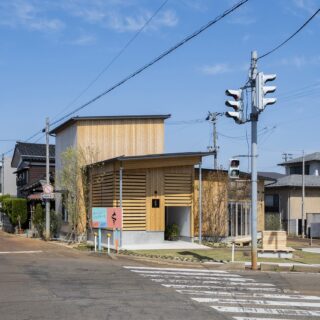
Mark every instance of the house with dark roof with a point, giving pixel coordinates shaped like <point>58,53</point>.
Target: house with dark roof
<point>29,161</point>
<point>283,196</point>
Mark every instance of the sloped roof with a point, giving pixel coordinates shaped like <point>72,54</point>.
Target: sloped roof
<point>121,117</point>
<point>295,180</point>
<point>270,175</point>
<point>30,151</point>
<point>307,158</point>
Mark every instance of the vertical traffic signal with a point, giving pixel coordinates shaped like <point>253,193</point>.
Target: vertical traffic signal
<point>262,90</point>
<point>236,104</point>
<point>234,168</point>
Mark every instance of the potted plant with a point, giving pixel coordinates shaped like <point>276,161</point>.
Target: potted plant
<point>172,232</point>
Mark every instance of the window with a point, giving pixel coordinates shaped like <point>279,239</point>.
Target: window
<point>298,169</point>
<point>271,202</point>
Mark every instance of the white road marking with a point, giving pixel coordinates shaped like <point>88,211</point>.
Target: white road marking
<point>212,276</point>
<point>259,302</point>
<point>230,283</point>
<point>18,252</point>
<point>250,318</point>
<point>284,312</point>
<point>252,295</point>
<point>184,286</point>
<point>168,272</point>
<point>176,269</point>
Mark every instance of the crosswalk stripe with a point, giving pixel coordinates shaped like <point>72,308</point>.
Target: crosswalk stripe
<point>175,269</point>
<point>258,302</point>
<point>220,277</point>
<point>250,318</point>
<point>168,272</point>
<point>284,312</point>
<point>231,283</point>
<point>184,286</point>
<point>252,295</point>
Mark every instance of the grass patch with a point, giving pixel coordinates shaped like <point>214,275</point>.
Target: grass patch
<point>224,254</point>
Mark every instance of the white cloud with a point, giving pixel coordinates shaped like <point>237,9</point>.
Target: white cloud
<point>300,61</point>
<point>19,13</point>
<point>306,5</point>
<point>84,40</point>
<point>215,69</point>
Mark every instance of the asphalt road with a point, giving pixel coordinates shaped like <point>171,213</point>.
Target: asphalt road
<point>41,280</point>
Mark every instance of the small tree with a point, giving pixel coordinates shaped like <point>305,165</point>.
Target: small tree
<point>38,219</point>
<point>73,178</point>
<point>19,211</point>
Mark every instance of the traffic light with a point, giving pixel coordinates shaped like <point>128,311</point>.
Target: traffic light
<point>236,104</point>
<point>262,90</point>
<point>234,170</point>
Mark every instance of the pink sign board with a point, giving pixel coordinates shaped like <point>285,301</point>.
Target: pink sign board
<point>114,220</point>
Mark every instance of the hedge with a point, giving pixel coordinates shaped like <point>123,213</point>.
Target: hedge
<point>16,210</point>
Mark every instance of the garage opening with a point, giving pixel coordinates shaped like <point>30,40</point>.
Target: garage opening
<point>181,217</point>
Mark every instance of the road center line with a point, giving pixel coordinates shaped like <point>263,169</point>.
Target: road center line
<point>19,252</point>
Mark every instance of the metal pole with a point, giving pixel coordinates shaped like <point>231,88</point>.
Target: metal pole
<point>47,180</point>
<point>254,176</point>
<point>2,189</point>
<point>215,164</point>
<point>120,185</point>
<point>200,202</point>
<point>303,195</point>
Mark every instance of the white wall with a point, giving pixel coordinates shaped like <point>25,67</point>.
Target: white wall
<point>10,186</point>
<point>181,217</point>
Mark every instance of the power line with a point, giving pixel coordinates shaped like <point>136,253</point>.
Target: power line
<point>152,62</point>
<point>114,59</point>
<point>288,39</point>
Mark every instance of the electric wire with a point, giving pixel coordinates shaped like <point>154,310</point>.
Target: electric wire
<point>155,60</point>
<point>113,60</point>
<point>288,39</point>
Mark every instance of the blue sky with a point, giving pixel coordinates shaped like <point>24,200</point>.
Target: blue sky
<point>51,50</point>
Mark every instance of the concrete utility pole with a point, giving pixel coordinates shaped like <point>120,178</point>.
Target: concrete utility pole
<point>2,176</point>
<point>212,117</point>
<point>254,176</point>
<point>303,195</point>
<point>47,180</point>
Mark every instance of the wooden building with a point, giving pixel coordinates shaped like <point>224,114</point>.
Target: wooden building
<point>154,191</point>
<point>106,137</point>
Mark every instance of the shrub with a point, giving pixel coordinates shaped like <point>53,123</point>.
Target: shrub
<point>19,212</point>
<point>7,206</point>
<point>172,232</point>
<point>38,219</point>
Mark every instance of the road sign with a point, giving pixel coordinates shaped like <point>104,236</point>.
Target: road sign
<point>47,195</point>
<point>47,188</point>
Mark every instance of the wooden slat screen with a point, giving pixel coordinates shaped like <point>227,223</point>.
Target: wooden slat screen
<point>133,200</point>
<point>102,190</point>
<point>178,189</point>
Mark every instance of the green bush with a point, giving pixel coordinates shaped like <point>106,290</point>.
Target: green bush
<point>3,197</point>
<point>38,219</point>
<point>19,213</point>
<point>172,232</point>
<point>7,206</point>
<point>55,223</point>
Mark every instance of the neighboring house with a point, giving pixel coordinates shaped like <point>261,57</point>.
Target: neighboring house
<point>7,178</point>
<point>283,197</point>
<point>107,137</point>
<point>29,160</point>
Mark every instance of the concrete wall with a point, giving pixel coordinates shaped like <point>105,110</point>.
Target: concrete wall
<point>10,186</point>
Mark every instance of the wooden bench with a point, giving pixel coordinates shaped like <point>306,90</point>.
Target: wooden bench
<point>274,244</point>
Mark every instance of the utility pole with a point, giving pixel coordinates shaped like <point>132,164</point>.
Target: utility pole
<point>286,156</point>
<point>303,195</point>
<point>254,176</point>
<point>2,176</point>
<point>212,117</point>
<point>47,180</point>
